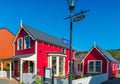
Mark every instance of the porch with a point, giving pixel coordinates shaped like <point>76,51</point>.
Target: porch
<point>21,67</point>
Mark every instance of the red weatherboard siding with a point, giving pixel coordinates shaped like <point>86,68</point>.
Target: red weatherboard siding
<point>67,62</point>
<point>16,73</point>
<point>25,67</point>
<point>67,59</point>
<point>42,58</point>
<point>113,70</point>
<point>95,55</point>
<point>24,51</point>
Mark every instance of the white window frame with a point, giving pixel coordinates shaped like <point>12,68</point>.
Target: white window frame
<point>25,42</point>
<point>18,48</point>
<point>94,66</point>
<point>57,64</point>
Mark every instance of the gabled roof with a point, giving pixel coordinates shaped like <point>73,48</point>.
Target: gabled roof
<point>106,54</point>
<point>41,36</point>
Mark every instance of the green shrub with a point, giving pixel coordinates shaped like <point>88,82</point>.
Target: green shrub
<point>21,83</point>
<point>81,76</point>
<point>7,68</point>
<point>37,80</point>
<point>118,71</point>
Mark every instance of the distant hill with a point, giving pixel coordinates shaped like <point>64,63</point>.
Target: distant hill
<point>114,52</point>
<point>80,52</point>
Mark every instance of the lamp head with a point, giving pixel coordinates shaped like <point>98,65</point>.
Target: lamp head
<point>71,4</point>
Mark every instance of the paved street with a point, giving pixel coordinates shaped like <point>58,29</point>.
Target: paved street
<point>112,81</point>
<point>5,82</point>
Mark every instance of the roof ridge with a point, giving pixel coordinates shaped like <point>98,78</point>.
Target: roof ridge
<point>45,37</point>
<point>40,31</point>
<point>107,54</point>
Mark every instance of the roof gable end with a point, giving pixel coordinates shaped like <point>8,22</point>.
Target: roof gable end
<point>20,28</point>
<point>41,36</point>
<point>107,55</point>
<point>99,51</point>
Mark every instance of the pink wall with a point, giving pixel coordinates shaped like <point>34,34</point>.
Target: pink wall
<point>24,51</point>
<point>95,55</point>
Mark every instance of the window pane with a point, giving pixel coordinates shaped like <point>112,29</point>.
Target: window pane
<point>27,42</point>
<point>98,66</point>
<point>91,66</point>
<point>20,44</point>
<point>60,65</point>
<point>63,51</point>
<point>54,63</point>
<point>31,67</point>
<point>20,41</point>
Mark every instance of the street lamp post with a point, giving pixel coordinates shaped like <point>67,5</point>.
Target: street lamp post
<point>78,17</point>
<point>71,9</point>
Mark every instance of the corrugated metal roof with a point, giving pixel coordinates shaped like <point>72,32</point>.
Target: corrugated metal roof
<point>38,35</point>
<point>107,55</point>
<point>81,57</point>
<point>21,56</point>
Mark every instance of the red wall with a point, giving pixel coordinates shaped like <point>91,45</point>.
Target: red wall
<point>42,58</point>
<point>16,73</point>
<point>113,69</point>
<point>42,50</point>
<point>67,60</point>
<point>95,55</point>
<point>24,51</point>
<point>25,68</point>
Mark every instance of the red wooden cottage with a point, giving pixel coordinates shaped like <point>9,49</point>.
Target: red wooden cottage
<point>97,61</point>
<point>35,50</point>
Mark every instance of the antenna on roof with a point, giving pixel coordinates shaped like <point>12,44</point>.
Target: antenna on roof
<point>21,23</point>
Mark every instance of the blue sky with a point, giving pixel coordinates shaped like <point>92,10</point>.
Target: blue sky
<point>101,24</point>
